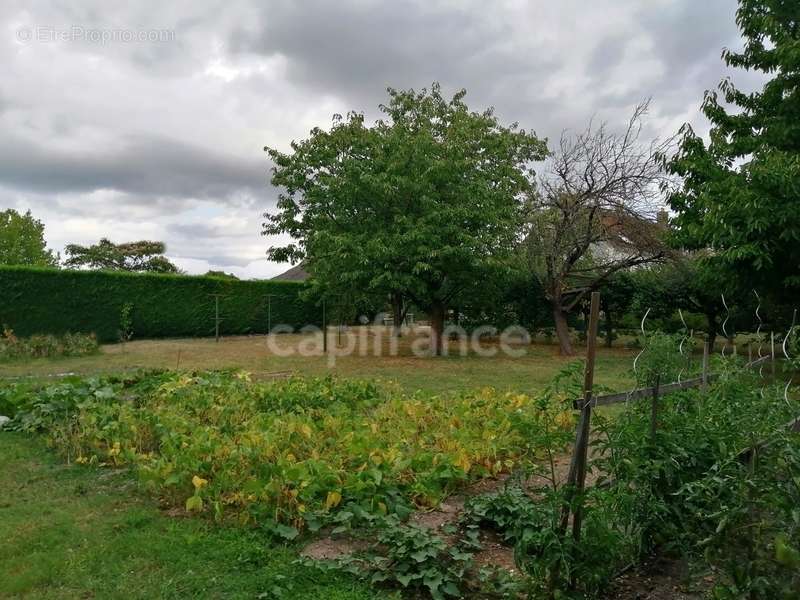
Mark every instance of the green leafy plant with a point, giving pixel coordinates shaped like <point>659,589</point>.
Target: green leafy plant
<point>298,452</point>
<point>417,560</point>
<point>126,322</point>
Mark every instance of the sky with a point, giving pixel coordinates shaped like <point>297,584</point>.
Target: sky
<point>147,120</point>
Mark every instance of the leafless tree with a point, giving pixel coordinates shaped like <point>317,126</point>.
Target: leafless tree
<point>594,213</point>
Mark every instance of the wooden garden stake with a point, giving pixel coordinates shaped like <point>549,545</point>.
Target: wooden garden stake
<point>576,478</point>
<point>580,455</point>
<point>654,411</point>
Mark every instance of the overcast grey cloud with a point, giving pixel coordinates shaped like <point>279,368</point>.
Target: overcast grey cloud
<point>163,138</point>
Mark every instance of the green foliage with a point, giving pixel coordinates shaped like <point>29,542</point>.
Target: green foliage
<point>532,525</point>
<point>661,361</point>
<point>616,298</point>
<point>422,564</point>
<point>46,346</point>
<point>690,491</point>
<point>22,241</point>
<point>416,559</point>
<point>221,274</point>
<point>510,512</point>
<point>136,257</point>
<point>58,301</point>
<point>126,322</point>
<point>505,298</point>
<point>422,204</point>
<point>740,191</point>
<point>295,453</point>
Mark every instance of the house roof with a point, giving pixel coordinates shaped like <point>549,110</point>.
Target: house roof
<point>296,273</point>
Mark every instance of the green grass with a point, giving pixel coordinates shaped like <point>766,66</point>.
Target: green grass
<point>525,374</point>
<point>77,532</point>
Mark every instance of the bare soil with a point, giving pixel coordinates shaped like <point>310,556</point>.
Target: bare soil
<point>659,579</point>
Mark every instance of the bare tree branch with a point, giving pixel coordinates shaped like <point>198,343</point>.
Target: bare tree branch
<point>594,211</point>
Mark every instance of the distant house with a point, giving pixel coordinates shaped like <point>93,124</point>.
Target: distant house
<point>626,236</point>
<point>296,273</point>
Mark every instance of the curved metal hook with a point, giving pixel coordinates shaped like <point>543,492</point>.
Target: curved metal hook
<point>686,336</point>
<point>725,323</point>
<point>788,333</point>
<point>786,354</point>
<point>644,345</point>
<point>758,329</point>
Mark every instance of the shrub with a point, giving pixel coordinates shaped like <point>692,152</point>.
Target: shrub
<point>46,346</point>
<point>52,301</point>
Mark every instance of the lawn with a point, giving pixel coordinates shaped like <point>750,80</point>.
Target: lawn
<point>79,532</point>
<point>452,373</point>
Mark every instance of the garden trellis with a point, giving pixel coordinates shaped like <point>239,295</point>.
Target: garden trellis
<point>575,485</point>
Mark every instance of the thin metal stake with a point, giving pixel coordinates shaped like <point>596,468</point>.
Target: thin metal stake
<point>324,329</point>
<point>269,312</point>
<point>772,353</point>
<point>216,315</point>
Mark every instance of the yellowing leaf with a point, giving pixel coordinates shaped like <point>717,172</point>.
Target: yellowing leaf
<point>305,429</point>
<point>463,462</point>
<point>199,482</point>
<point>333,499</point>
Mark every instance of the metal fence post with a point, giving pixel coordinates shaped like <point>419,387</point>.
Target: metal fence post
<point>324,328</point>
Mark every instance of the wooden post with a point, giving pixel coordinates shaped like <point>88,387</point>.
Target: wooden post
<point>654,411</point>
<point>580,455</point>
<point>749,353</point>
<point>706,350</point>
<point>576,478</point>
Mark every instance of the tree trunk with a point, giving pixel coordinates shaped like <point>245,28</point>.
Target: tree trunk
<point>609,329</point>
<point>437,327</point>
<point>711,331</point>
<point>398,314</point>
<point>562,330</point>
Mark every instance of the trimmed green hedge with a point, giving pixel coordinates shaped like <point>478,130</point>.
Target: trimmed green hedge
<point>41,300</point>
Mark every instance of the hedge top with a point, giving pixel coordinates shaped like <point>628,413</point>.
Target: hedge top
<point>47,300</point>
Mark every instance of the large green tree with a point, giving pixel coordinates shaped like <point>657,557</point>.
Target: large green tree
<point>141,256</point>
<point>741,189</point>
<point>22,240</point>
<point>419,206</point>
